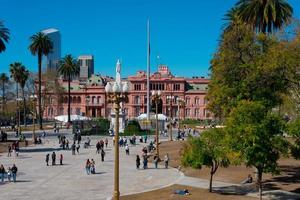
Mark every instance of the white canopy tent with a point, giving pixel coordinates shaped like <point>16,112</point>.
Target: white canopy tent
<point>144,117</point>
<point>64,118</point>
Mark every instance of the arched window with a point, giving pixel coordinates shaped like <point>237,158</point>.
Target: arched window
<point>187,100</point>
<point>74,100</point>
<point>78,99</point>
<point>66,100</point>
<point>137,100</point>
<point>197,100</point>
<point>93,99</point>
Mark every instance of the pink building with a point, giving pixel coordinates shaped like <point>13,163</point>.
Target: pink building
<point>89,98</point>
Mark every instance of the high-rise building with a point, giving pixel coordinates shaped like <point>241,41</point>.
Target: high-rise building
<point>86,64</point>
<point>50,62</point>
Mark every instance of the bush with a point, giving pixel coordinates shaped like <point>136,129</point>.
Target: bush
<point>134,128</point>
<point>99,126</point>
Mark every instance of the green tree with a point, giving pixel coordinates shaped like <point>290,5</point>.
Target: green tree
<point>40,45</point>
<point>249,66</point>
<point>256,136</point>
<point>265,16</point>
<point>14,69</point>
<point>4,79</point>
<point>209,149</point>
<point>23,77</point>
<point>69,67</point>
<point>294,131</point>
<point>4,36</point>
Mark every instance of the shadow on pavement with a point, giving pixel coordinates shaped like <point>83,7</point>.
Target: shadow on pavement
<point>40,150</point>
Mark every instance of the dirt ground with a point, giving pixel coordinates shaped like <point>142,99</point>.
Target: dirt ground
<point>288,180</point>
<point>4,145</point>
<point>195,194</point>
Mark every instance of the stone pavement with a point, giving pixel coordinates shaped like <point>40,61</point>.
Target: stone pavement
<point>37,181</point>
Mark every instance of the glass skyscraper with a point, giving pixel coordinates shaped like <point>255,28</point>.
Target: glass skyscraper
<point>50,62</point>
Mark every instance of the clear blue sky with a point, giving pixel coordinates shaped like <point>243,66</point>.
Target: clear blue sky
<point>183,33</point>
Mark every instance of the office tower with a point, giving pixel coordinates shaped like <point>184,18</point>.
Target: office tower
<point>86,64</point>
<point>50,62</point>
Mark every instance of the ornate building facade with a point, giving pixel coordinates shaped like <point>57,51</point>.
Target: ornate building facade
<point>89,98</point>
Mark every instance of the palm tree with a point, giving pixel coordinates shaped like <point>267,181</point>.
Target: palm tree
<point>40,45</point>
<point>23,77</point>
<point>68,67</point>
<point>4,79</point>
<point>232,18</point>
<point>265,16</point>
<point>4,37</point>
<point>14,73</point>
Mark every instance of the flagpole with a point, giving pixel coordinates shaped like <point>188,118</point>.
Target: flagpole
<point>148,70</point>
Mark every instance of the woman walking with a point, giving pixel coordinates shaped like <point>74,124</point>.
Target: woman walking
<point>88,167</point>
<point>138,162</point>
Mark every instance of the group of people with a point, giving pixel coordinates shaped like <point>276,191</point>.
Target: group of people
<point>11,173</point>
<point>53,158</point>
<point>100,148</point>
<point>90,167</point>
<point>13,149</point>
<point>63,141</point>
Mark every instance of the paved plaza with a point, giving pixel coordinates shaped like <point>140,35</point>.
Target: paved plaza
<point>37,181</point>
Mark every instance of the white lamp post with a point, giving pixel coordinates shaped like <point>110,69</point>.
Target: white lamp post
<point>19,114</point>
<point>117,93</point>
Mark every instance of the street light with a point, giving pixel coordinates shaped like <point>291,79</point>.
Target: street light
<point>19,114</point>
<point>180,102</point>
<point>156,98</point>
<point>170,99</point>
<point>117,93</point>
<point>87,100</point>
<point>33,98</point>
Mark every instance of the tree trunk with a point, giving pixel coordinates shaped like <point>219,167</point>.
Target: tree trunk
<point>18,106</point>
<point>40,90</point>
<point>259,182</point>
<point>3,96</point>
<point>69,99</point>
<point>24,108</point>
<point>211,179</point>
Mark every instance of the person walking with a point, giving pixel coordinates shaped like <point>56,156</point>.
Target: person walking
<point>138,162</point>
<point>61,159</point>
<point>73,147</point>
<point>98,146</point>
<point>9,151</point>
<point>88,167</point>
<point>9,173</point>
<point>93,170</point>
<point>14,171</point>
<point>127,149</point>
<point>77,148</point>
<point>102,155</point>
<point>166,160</point>
<point>2,172</point>
<point>155,159</point>
<point>106,142</point>
<point>47,159</point>
<point>145,162</point>
<point>53,156</point>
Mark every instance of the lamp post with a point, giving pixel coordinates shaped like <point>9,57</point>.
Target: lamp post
<point>117,93</point>
<point>87,100</point>
<point>170,99</point>
<point>180,102</point>
<point>19,114</point>
<point>156,98</point>
<point>34,98</point>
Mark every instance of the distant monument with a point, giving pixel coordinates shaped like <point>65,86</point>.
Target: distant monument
<point>122,114</point>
